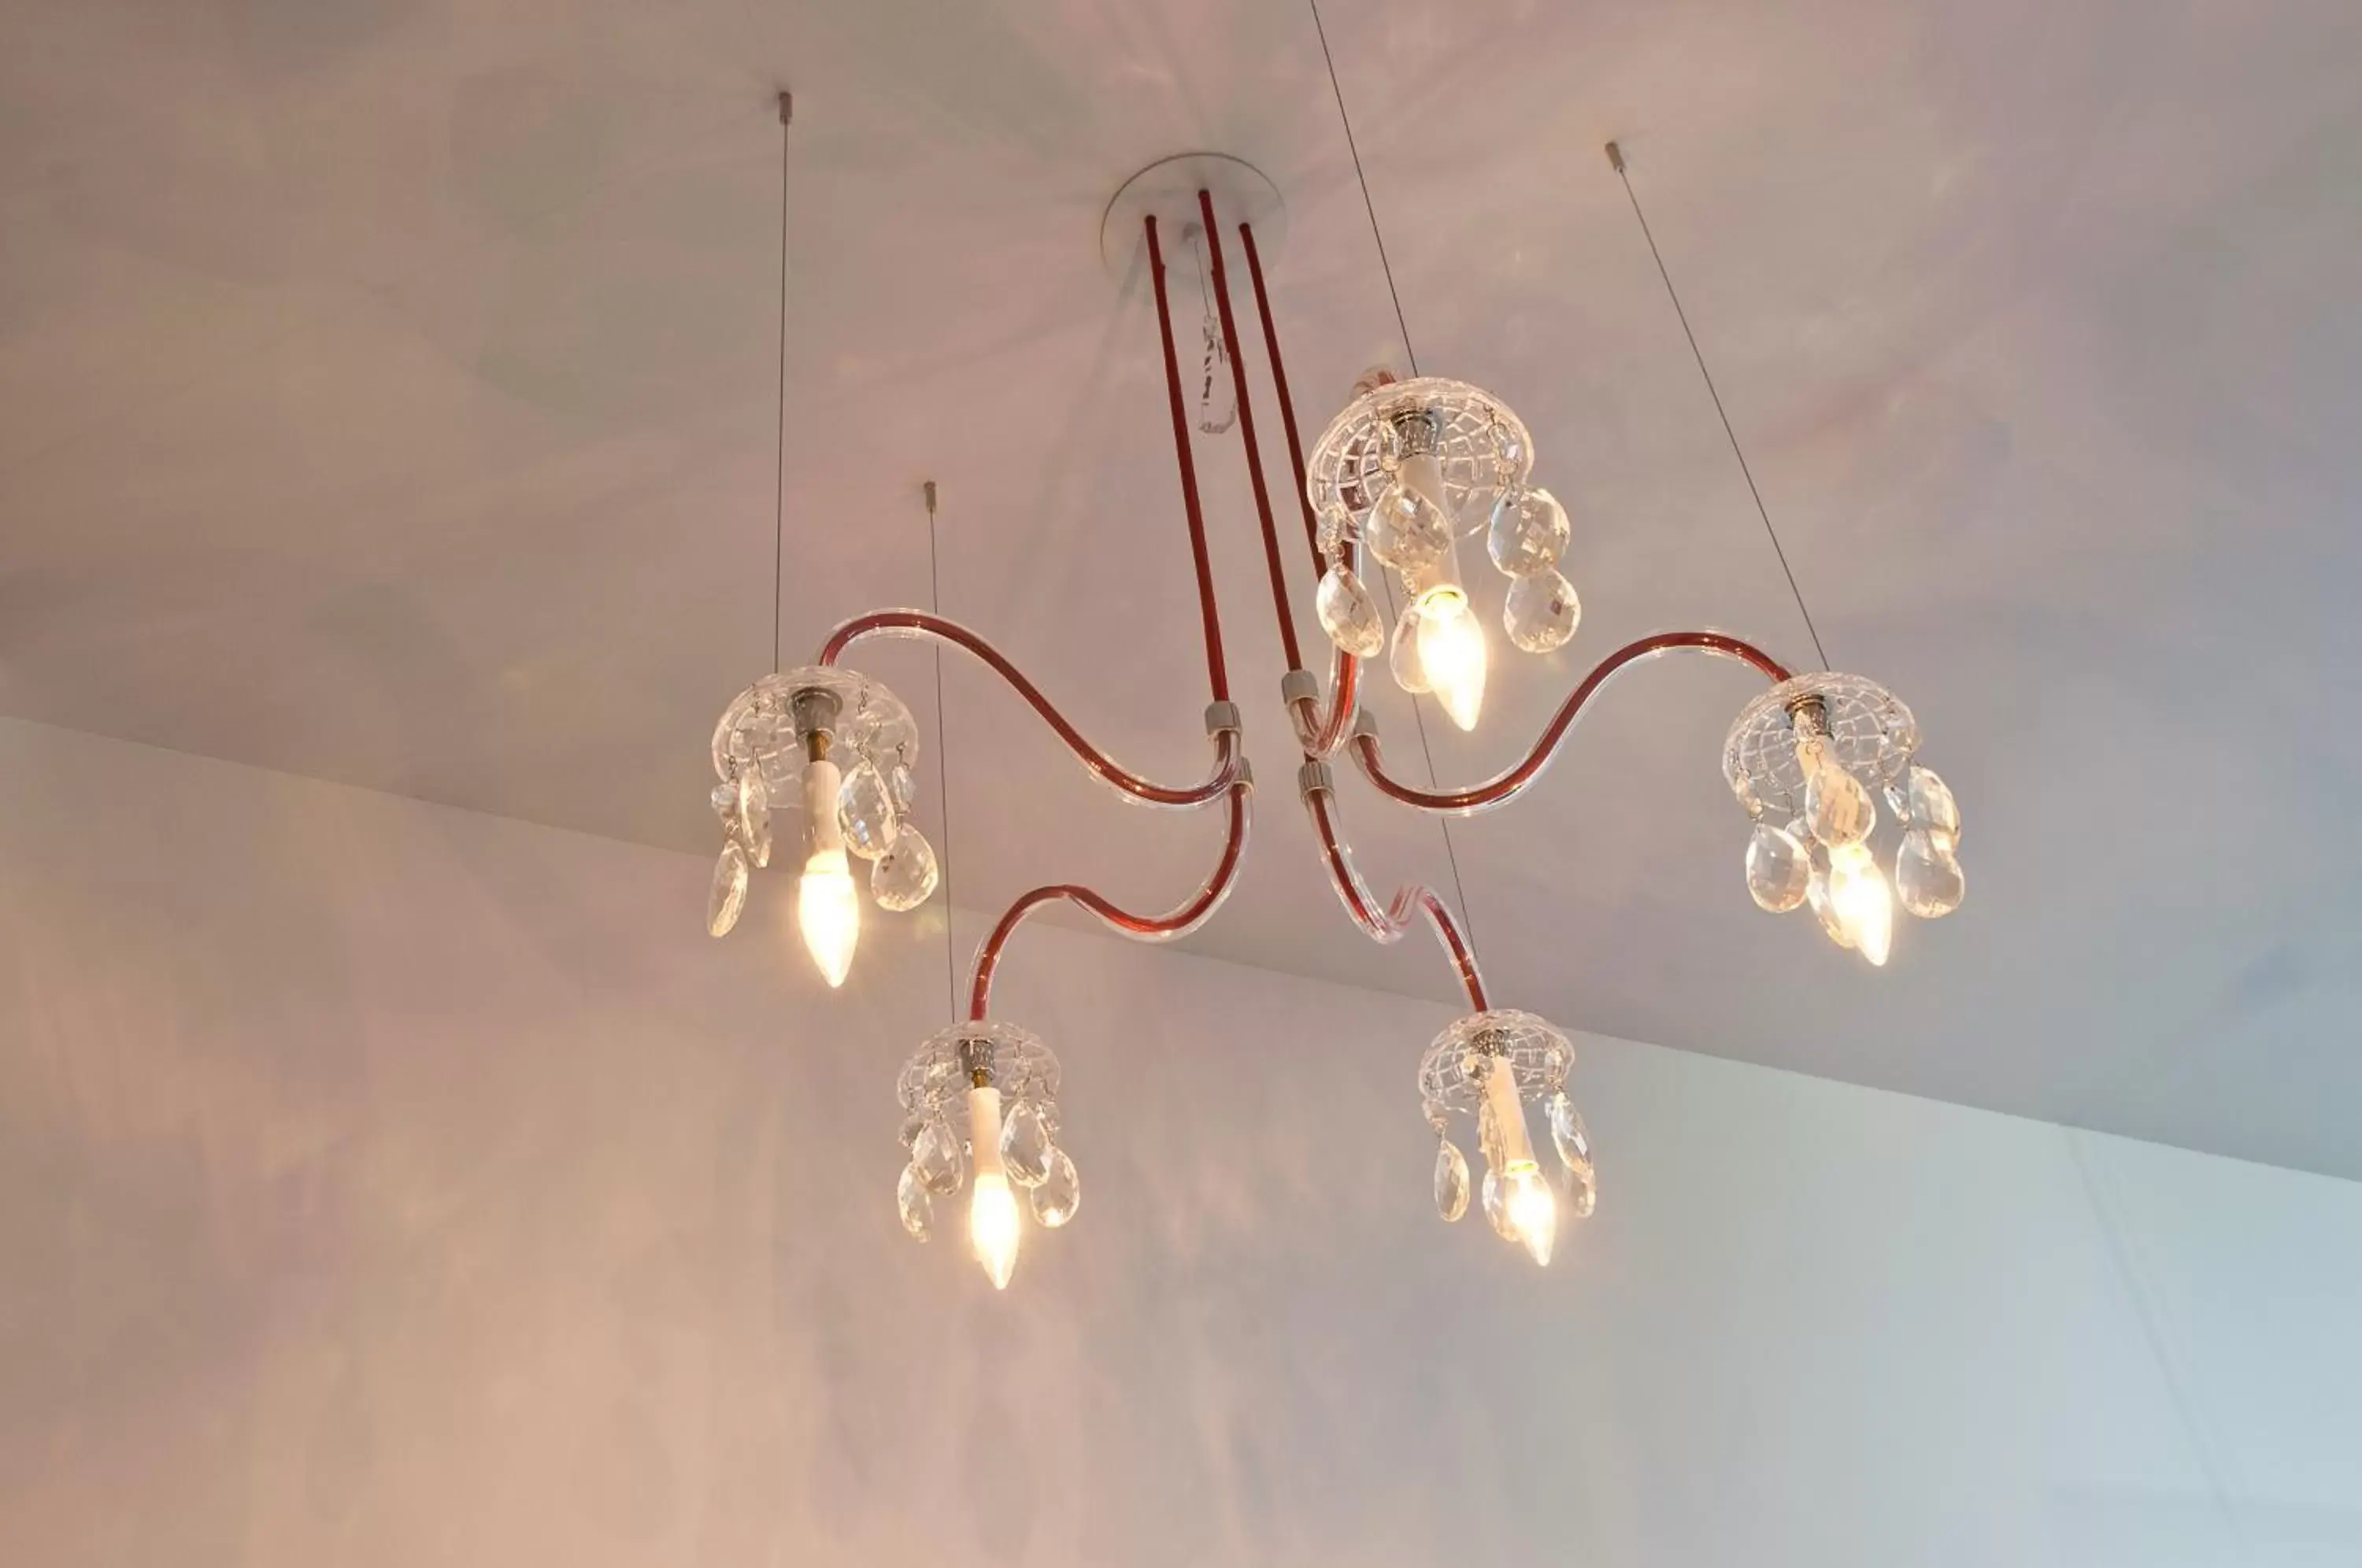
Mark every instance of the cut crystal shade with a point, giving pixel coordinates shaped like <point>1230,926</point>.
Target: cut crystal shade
<point>1059,1192</point>
<point>1349,614</point>
<point>905,876</point>
<point>864,810</point>
<point>728,895</point>
<point>1778,869</point>
<point>1450,1180</point>
<point>1541,612</point>
<point>1927,876</point>
<point>1529,531</point>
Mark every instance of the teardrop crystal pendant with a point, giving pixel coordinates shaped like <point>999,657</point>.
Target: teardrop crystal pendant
<point>751,816</point>
<point>1402,657</point>
<point>904,877</point>
<point>1931,804</point>
<point>1528,533</point>
<point>902,787</point>
<point>1349,614</point>
<point>939,1158</point>
<point>1816,893</point>
<point>728,895</point>
<point>1496,1206</point>
<point>1025,1146</point>
<point>1406,529</point>
<point>864,810</point>
<point>918,1208</point>
<point>1541,612</point>
<point>1450,1180</point>
<point>1927,877</point>
<point>1778,869</point>
<point>1059,1192</point>
<point>1837,807</point>
<point>1571,1139</point>
<point>1582,1191</point>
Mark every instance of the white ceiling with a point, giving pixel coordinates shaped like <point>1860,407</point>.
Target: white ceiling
<point>387,394</point>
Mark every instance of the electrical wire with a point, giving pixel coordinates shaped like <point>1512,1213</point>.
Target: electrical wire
<point>943,765</point>
<point>779,450</point>
<point>1417,716</point>
<point>1616,161</point>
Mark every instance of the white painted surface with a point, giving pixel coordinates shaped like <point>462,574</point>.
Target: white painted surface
<point>386,395</point>
<point>387,1184</point>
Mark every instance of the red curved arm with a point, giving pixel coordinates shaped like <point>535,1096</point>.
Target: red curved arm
<point>1209,898</point>
<point>1318,734</point>
<point>1191,914</point>
<point>1410,901</point>
<point>919,623</point>
<point>1505,785</point>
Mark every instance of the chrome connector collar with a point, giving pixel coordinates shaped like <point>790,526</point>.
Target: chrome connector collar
<point>1314,779</point>
<point>1298,686</point>
<point>1223,718</point>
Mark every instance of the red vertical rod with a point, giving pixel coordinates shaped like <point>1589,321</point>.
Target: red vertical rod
<point>1287,403</point>
<point>1247,434</point>
<point>1218,675</point>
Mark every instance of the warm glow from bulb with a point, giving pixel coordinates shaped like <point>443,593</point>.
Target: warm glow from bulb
<point>829,912</point>
<point>1451,650</point>
<point>1860,899</point>
<point>1533,1211</point>
<point>992,1227</point>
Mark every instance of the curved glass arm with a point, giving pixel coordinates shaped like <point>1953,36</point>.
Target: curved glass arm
<point>1505,785</point>
<point>920,624</point>
<point>1410,901</point>
<point>1193,912</point>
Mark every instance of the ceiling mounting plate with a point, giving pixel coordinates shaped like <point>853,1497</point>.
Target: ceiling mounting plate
<point>1168,190</point>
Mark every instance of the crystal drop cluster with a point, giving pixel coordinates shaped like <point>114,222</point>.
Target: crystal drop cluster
<point>760,754</point>
<point>934,1089</point>
<point>1407,472</point>
<point>1844,736</point>
<point>1457,1078</point>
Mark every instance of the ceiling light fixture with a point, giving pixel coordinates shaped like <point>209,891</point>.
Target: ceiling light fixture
<point>1409,471</point>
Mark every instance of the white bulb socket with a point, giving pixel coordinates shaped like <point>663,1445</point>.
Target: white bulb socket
<point>1508,1114</point>
<point>822,834</point>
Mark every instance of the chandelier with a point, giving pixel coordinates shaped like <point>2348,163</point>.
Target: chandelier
<point>1403,483</point>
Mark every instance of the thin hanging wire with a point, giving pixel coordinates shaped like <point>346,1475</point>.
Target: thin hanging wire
<point>1363,181</point>
<point>1418,714</point>
<point>943,765</point>
<point>780,435</point>
<point>1616,160</point>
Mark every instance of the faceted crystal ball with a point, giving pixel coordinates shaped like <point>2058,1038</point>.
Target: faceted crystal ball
<point>1529,531</point>
<point>1407,530</point>
<point>1349,614</point>
<point>1541,611</point>
<point>905,876</point>
<point>1779,868</point>
<point>864,810</point>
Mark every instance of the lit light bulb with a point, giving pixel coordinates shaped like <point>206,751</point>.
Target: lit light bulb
<point>992,1224</point>
<point>828,909</point>
<point>1529,1206</point>
<point>1451,652</point>
<point>1860,901</point>
<point>1533,1211</point>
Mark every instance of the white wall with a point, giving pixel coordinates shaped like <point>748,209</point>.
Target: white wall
<point>384,1184</point>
